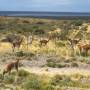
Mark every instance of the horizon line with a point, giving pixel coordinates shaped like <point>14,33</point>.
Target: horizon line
<point>44,11</point>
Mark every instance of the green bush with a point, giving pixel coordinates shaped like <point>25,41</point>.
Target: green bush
<point>77,23</point>
<point>9,79</point>
<point>23,73</point>
<point>29,54</point>
<point>32,83</point>
<point>61,80</point>
<point>56,80</point>
<point>1,76</point>
<point>61,65</point>
<point>20,54</point>
<point>49,87</point>
<point>60,44</point>
<point>74,64</point>
<point>51,64</point>
<point>49,60</point>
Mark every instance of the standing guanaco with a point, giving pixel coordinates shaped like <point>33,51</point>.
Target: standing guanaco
<point>16,44</point>
<point>74,41</point>
<point>84,47</point>
<point>14,39</point>
<point>10,66</point>
<point>44,42</point>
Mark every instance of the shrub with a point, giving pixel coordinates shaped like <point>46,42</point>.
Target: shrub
<point>49,87</point>
<point>51,64</point>
<point>61,65</point>
<point>60,44</point>
<point>1,76</point>
<point>23,73</point>
<point>26,21</point>
<point>40,23</point>
<point>32,83</point>
<point>74,64</point>
<point>20,54</point>
<point>77,76</point>
<point>49,60</point>
<point>77,23</point>
<point>9,79</point>
<point>29,54</point>
<point>39,32</point>
<point>56,79</point>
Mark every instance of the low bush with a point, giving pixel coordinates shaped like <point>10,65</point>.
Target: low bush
<point>61,65</point>
<point>74,64</point>
<point>26,54</point>
<point>51,64</point>
<point>20,54</point>
<point>9,79</point>
<point>32,83</point>
<point>23,73</point>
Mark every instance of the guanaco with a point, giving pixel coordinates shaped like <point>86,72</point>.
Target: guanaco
<point>84,47</point>
<point>74,41</point>
<point>14,40</point>
<point>44,42</point>
<point>10,66</point>
<point>16,44</point>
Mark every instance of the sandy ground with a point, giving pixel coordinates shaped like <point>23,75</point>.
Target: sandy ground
<point>54,71</point>
<point>35,66</point>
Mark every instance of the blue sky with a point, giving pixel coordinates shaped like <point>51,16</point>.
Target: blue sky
<point>45,5</point>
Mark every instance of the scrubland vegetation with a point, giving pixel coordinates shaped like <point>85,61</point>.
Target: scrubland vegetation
<point>29,81</point>
<point>53,54</point>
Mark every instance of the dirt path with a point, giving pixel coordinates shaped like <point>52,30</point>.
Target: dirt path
<point>54,71</point>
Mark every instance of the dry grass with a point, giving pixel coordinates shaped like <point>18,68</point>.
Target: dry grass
<point>57,57</point>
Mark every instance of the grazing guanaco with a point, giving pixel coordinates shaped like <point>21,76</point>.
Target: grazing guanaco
<point>74,41</point>
<point>84,47</point>
<point>44,42</point>
<point>10,66</point>
<point>14,40</point>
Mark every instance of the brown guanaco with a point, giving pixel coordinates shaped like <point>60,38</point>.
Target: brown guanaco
<point>14,40</point>
<point>16,44</point>
<point>44,41</point>
<point>84,47</point>
<point>10,66</point>
<point>74,41</point>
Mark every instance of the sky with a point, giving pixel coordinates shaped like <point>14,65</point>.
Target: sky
<point>45,5</point>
